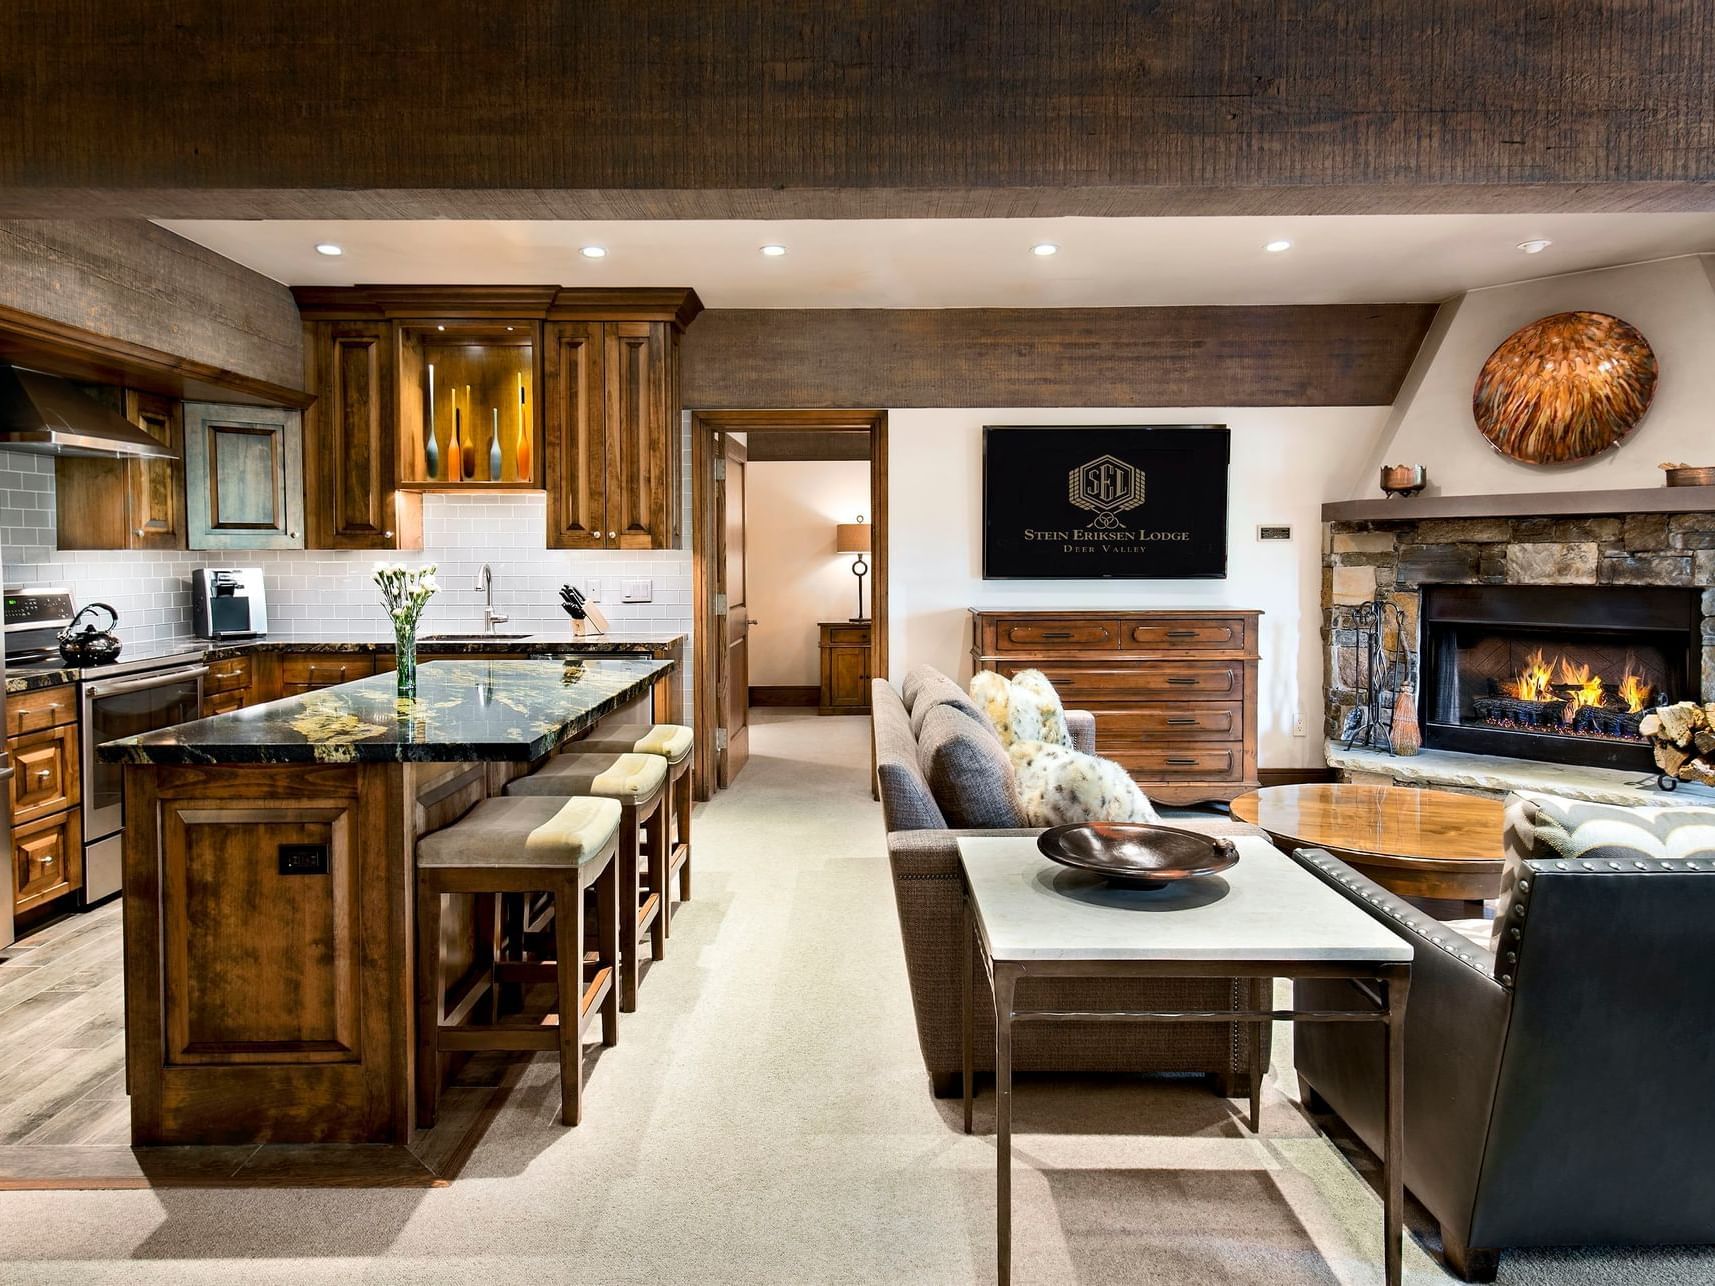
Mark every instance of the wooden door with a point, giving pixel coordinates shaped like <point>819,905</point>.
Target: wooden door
<point>575,448</point>
<point>155,489</point>
<point>351,435</point>
<point>732,691</point>
<point>643,439</point>
<point>244,477</point>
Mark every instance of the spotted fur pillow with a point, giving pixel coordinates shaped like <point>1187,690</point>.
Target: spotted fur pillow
<point>1022,708</point>
<point>1057,786</point>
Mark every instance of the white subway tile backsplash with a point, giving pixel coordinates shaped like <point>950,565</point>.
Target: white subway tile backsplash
<point>317,592</point>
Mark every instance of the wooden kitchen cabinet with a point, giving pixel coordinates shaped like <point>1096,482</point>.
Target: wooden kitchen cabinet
<point>1174,692</point>
<point>46,792</point>
<point>227,685</point>
<point>613,439</point>
<point>244,477</point>
<point>126,504</point>
<point>351,439</point>
<point>845,650</point>
<point>302,672</point>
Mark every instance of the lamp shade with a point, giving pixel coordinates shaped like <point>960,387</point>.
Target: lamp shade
<point>852,538</point>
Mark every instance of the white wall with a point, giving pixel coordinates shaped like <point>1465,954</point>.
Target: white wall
<point>1286,462</point>
<point>1672,301</point>
<point>794,576</point>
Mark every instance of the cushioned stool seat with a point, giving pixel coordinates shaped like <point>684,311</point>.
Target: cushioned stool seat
<point>524,830</point>
<point>636,783</point>
<point>564,847</point>
<point>672,741</point>
<point>626,778</point>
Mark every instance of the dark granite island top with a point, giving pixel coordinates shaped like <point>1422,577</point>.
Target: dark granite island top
<point>464,712</point>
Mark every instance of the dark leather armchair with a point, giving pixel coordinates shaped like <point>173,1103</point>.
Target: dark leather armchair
<point>1562,1094</point>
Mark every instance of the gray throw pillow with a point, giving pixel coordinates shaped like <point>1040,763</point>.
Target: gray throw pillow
<point>968,770</point>
<point>913,683</point>
<point>937,689</point>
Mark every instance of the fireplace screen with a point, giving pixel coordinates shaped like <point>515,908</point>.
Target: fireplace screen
<point>1551,673</point>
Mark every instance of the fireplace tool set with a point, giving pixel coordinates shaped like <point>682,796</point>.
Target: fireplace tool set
<point>1370,647</point>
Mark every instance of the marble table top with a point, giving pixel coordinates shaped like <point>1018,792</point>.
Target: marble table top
<point>1266,908</point>
<point>464,711</point>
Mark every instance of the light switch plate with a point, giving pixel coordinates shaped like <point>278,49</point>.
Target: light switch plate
<point>592,589</point>
<point>638,591</point>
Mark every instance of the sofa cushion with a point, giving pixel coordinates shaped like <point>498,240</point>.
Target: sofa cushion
<point>1057,786</point>
<point>906,803</point>
<point>1549,828</point>
<point>913,683</point>
<point>936,689</point>
<point>969,773</point>
<point>1022,708</point>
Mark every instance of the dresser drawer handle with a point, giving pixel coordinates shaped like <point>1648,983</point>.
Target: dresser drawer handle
<point>1056,634</point>
<point>42,774</point>
<point>1182,723</point>
<point>1181,634</point>
<point>1183,682</point>
<point>1183,763</point>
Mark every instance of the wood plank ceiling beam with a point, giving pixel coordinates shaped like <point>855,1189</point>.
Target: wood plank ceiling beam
<point>757,108</point>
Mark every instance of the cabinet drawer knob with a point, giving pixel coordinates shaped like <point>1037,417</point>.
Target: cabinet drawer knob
<point>613,535</point>
<point>42,774</point>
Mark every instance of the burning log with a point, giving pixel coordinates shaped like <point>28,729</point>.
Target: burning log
<point>1684,740</point>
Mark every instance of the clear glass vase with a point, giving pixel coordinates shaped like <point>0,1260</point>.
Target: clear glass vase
<point>405,658</point>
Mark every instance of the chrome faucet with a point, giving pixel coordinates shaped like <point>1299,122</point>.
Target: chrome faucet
<point>490,617</point>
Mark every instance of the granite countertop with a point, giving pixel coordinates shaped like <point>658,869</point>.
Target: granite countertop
<point>464,711</point>
<point>43,674</point>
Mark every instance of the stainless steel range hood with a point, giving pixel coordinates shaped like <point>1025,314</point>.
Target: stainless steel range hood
<point>48,416</point>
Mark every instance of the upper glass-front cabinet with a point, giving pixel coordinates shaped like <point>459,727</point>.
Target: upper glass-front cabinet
<point>468,407</point>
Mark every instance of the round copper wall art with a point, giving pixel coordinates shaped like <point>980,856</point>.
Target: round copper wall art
<point>1564,388</point>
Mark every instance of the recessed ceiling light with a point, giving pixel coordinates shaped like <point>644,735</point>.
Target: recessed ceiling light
<point>594,252</point>
<point>1042,249</point>
<point>329,248</point>
<point>1277,247</point>
<point>1535,245</point>
<point>773,251</point>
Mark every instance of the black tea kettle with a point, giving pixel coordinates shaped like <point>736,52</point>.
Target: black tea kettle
<point>89,645</point>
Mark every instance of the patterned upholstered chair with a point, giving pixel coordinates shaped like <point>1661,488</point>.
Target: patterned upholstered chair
<point>931,721</point>
<point>1558,1081</point>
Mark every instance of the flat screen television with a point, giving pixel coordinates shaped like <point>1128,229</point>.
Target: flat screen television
<point>1141,502</point>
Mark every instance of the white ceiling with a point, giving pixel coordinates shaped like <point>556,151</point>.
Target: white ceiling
<point>970,263</point>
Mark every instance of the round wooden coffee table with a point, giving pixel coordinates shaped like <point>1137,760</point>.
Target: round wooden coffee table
<point>1441,850</point>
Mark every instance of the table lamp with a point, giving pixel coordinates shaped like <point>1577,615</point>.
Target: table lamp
<point>853,538</point>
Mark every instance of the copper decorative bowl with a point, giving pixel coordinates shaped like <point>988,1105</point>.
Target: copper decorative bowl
<point>1689,475</point>
<point>1137,855</point>
<point>1403,479</point>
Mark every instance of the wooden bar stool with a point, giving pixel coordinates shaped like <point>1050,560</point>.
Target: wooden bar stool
<point>674,743</point>
<point>521,845</point>
<point>638,784</point>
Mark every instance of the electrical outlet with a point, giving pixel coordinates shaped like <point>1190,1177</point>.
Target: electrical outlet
<point>303,859</point>
<point>638,591</point>
<point>1298,726</point>
<point>592,589</point>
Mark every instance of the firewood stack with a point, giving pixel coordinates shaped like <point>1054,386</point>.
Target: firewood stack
<point>1684,739</point>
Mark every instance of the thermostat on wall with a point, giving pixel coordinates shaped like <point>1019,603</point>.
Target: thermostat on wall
<point>1274,533</point>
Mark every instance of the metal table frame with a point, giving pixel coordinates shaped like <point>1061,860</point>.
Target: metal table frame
<point>1391,981</point>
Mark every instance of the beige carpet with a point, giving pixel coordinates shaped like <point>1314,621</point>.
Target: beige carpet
<point>765,1119</point>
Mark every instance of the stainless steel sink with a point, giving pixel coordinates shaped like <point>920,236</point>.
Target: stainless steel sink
<point>469,638</point>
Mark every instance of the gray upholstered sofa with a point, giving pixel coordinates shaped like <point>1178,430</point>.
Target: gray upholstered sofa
<point>1558,1089</point>
<point>923,852</point>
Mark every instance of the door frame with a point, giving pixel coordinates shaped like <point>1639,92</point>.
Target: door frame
<point>705,426</point>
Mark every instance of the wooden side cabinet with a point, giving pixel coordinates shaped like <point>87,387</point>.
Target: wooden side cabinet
<point>1174,692</point>
<point>46,792</point>
<point>126,504</point>
<point>845,647</point>
<point>244,477</point>
<point>351,439</point>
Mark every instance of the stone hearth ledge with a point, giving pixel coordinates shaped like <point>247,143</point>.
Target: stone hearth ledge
<point>464,712</point>
<point>1494,775</point>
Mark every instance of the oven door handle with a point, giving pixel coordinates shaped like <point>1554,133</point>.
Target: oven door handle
<point>98,690</point>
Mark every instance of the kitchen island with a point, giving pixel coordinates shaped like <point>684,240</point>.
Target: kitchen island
<point>269,856</point>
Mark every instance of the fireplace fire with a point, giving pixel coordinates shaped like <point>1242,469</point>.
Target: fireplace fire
<point>1558,673</point>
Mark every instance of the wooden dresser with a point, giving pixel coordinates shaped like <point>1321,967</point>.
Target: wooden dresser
<point>1174,692</point>
<point>845,667</point>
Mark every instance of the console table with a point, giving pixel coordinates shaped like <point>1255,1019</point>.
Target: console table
<point>1266,917</point>
<point>1174,691</point>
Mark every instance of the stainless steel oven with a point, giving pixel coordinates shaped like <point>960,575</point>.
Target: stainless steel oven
<point>123,702</point>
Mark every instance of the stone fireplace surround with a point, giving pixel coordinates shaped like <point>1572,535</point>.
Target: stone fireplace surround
<point>1393,558</point>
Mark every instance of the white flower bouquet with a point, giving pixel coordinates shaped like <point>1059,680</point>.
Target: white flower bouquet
<point>405,591</point>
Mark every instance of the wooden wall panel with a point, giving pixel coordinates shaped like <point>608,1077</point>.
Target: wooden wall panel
<point>884,107</point>
<point>132,281</point>
<point>1336,355</point>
